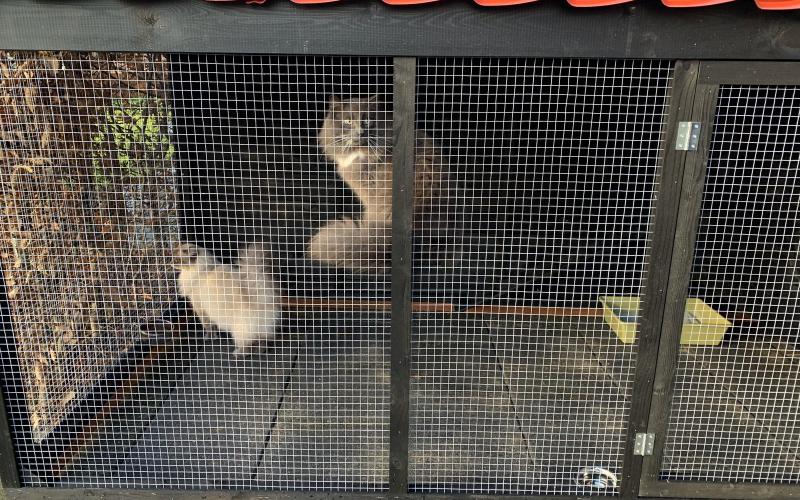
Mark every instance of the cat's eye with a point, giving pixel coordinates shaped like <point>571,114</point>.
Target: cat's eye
<point>347,121</point>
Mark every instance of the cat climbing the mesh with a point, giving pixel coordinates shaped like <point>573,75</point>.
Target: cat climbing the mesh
<point>357,135</point>
<point>241,299</point>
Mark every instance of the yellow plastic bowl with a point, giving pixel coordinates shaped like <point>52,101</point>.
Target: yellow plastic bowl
<point>702,325</point>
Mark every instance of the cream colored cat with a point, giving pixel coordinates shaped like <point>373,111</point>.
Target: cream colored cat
<point>240,299</point>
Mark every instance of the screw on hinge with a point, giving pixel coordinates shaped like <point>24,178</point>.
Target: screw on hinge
<point>643,445</point>
<point>688,136</point>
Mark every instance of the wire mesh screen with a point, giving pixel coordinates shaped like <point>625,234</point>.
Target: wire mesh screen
<point>552,168</point>
<point>89,206</point>
<point>195,253</point>
<point>736,410</point>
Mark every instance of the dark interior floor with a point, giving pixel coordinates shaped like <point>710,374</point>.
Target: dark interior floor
<point>499,404</point>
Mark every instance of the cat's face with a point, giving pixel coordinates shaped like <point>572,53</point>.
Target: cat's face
<point>187,255</point>
<point>359,123</point>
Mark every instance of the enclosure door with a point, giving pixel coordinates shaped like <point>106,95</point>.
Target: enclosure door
<point>726,415</point>
<point>522,387</point>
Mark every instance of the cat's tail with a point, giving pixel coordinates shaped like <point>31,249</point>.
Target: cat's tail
<point>255,258</point>
<point>257,268</point>
<point>356,245</point>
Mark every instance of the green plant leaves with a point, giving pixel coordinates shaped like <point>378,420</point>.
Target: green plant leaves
<point>130,138</point>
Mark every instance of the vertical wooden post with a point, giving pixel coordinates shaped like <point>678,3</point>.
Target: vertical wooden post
<point>654,297</point>
<point>402,225</point>
<point>687,223</point>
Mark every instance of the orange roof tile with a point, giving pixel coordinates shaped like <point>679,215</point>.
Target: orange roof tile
<point>762,4</point>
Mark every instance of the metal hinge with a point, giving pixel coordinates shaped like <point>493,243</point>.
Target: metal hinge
<point>688,136</point>
<point>643,445</point>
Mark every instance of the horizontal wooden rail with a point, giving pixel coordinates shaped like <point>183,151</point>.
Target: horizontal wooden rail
<point>436,307</point>
<point>442,29</point>
<point>361,305</point>
<point>302,304</point>
<point>591,312</point>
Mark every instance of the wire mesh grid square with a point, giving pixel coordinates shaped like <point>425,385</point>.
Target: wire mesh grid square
<point>735,413</point>
<point>552,170</point>
<point>162,211</point>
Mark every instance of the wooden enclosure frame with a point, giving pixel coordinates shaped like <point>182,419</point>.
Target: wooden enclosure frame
<point>647,30</point>
<point>703,108</point>
<point>699,41</point>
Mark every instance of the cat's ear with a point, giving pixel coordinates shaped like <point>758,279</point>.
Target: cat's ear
<point>191,251</point>
<point>374,103</point>
<point>185,254</point>
<point>333,102</point>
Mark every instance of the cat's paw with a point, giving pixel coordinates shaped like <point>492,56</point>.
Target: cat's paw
<point>242,351</point>
<point>208,328</point>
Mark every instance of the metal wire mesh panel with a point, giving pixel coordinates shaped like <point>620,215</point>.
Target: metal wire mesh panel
<point>208,238</point>
<point>546,209</point>
<point>89,207</point>
<point>736,409</point>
